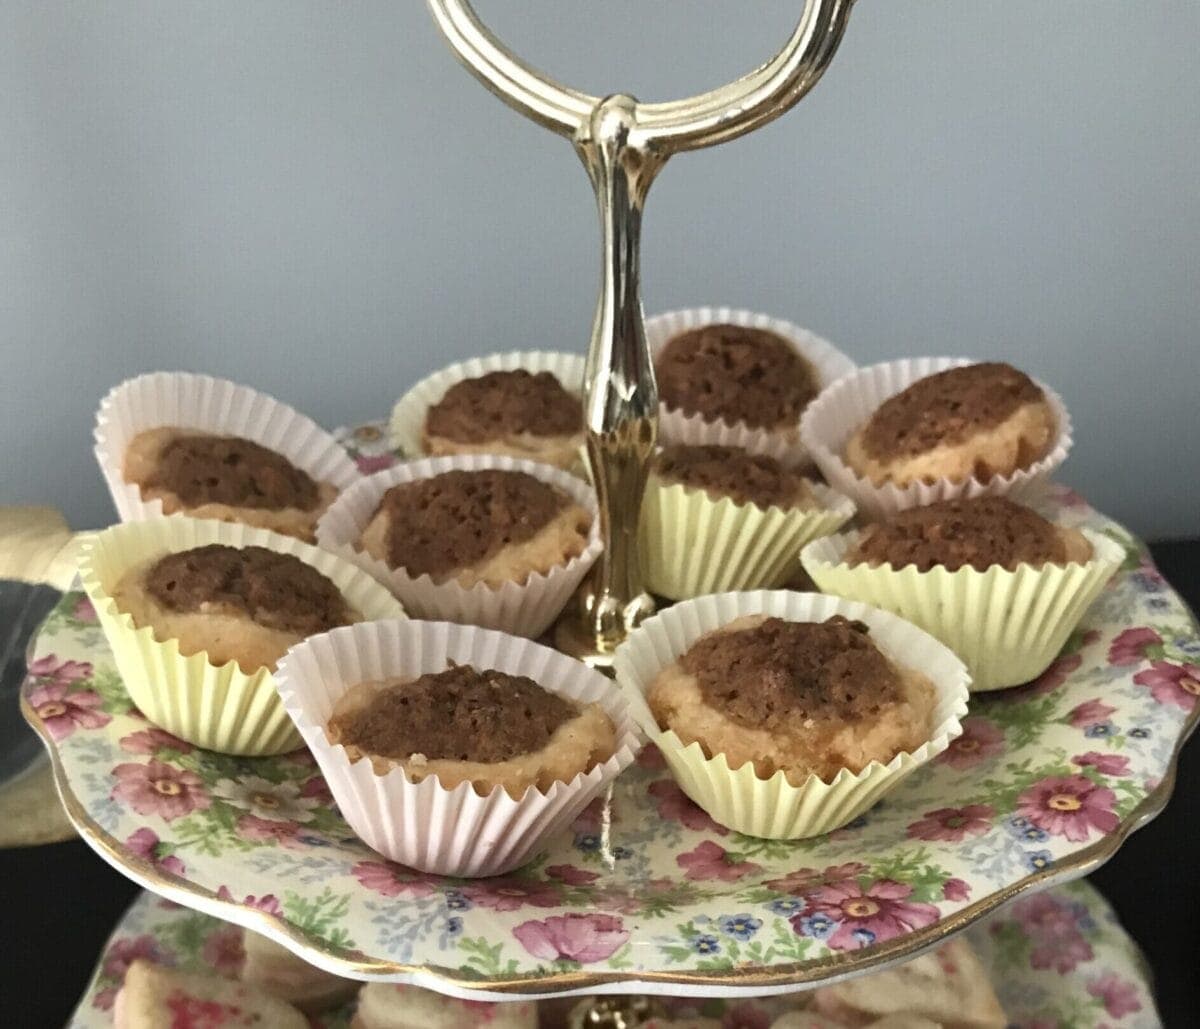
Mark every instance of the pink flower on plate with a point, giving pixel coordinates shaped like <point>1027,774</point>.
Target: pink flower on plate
<point>571,876</point>
<point>1052,930</point>
<point>146,845</point>
<point>1119,996</point>
<point>1053,677</point>
<point>393,880</point>
<point>124,952</point>
<point>1172,684</point>
<point>981,739</point>
<point>953,824</point>
<point>1132,646</point>
<point>50,667</point>
<point>804,880</point>
<point>712,861</point>
<point>158,789</point>
<point>368,464</point>
<point>62,711</point>
<point>510,893</point>
<point>1089,713</point>
<point>673,805</point>
<point>573,937</point>
<point>956,890</point>
<point>1105,764</point>
<point>316,789</point>
<point>268,902</point>
<point>83,611</point>
<point>104,1000</point>
<point>591,818</point>
<point>1070,806</point>
<point>650,758</point>
<point>223,951</point>
<point>268,830</point>
<point>880,912</point>
<point>152,740</point>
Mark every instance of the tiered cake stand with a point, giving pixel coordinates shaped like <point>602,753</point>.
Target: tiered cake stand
<point>645,892</point>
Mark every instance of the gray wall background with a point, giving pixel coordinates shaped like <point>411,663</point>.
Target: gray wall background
<point>313,198</point>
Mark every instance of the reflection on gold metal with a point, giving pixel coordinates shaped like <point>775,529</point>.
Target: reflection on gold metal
<point>746,981</point>
<point>624,143</point>
<point>620,1012</point>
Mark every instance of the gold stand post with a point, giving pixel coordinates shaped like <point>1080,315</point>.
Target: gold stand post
<point>623,143</point>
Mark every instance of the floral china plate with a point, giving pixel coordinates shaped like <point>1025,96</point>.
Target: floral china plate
<point>644,891</point>
<point>1057,958</point>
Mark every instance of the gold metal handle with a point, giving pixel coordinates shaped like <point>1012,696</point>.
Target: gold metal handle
<point>623,144</point>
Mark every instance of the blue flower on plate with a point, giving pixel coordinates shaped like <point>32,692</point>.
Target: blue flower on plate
<point>740,927</point>
<point>454,927</point>
<point>1100,731</point>
<point>455,901</point>
<point>1024,829</point>
<point>587,841</point>
<point>621,853</point>
<point>313,841</point>
<point>786,906</point>
<point>1140,733</point>
<point>706,944</point>
<point>864,937</point>
<point>1158,603</point>
<point>817,926</point>
<point>1036,860</point>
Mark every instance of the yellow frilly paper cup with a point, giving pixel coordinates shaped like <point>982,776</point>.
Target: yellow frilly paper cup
<point>408,416</point>
<point>692,544</point>
<point>1007,626</point>
<point>774,808</point>
<point>217,707</point>
<point>524,608</point>
<point>189,401</point>
<point>785,446</point>
<point>832,418</point>
<point>422,824</point>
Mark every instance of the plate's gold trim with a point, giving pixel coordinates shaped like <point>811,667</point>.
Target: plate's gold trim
<point>182,891</point>
<point>738,980</point>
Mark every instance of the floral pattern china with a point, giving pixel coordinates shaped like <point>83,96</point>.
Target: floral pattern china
<point>1058,958</point>
<point>644,887</point>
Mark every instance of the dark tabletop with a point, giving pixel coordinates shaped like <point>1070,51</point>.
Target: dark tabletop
<point>61,901</point>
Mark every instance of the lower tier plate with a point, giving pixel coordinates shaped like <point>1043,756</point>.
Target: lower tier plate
<point>1060,958</point>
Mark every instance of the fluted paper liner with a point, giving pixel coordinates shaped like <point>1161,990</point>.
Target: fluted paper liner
<point>423,824</point>
<point>693,429</point>
<point>691,544</point>
<point>1007,626</point>
<point>832,418</point>
<point>525,608</point>
<point>218,707</point>
<point>774,808</point>
<point>408,416</point>
<point>189,401</point>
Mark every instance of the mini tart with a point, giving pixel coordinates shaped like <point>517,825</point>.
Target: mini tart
<point>243,604</point>
<point>395,1006</point>
<point>803,698</point>
<point>996,582</point>
<point>517,412</point>
<point>489,525</point>
<point>508,426</point>
<point>180,443</point>
<point>199,663</point>
<point>467,725</point>
<point>717,518</point>
<point>736,378</point>
<point>916,431</point>
<point>398,803</point>
<point>762,757</point>
<point>461,568</point>
<point>978,420</point>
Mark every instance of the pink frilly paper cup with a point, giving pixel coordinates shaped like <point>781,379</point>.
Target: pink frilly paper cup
<point>775,808</point>
<point>524,608</point>
<point>785,446</point>
<point>832,418</point>
<point>424,825</point>
<point>189,401</point>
